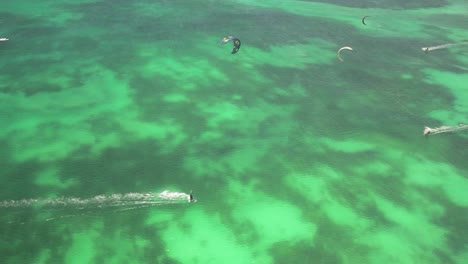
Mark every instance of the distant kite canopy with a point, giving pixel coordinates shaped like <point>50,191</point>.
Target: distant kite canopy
<point>364,20</point>
<point>237,43</point>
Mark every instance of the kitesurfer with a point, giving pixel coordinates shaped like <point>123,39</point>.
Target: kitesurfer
<point>237,43</point>
<point>191,199</point>
<point>427,131</point>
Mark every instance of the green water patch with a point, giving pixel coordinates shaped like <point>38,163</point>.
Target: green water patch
<point>190,72</point>
<point>438,175</point>
<point>95,243</point>
<point>320,186</point>
<point>83,248</point>
<point>331,198</point>
<point>238,158</point>
<point>376,231</point>
<point>50,178</point>
<point>237,136</point>
<point>91,237</point>
<point>41,118</point>
<point>425,231</point>
<point>196,233</point>
<point>454,83</point>
<point>24,232</point>
<point>291,153</point>
<point>410,229</point>
<point>201,238</point>
<point>44,257</point>
<point>352,146</point>
<point>124,248</point>
<point>338,224</point>
<point>330,237</point>
<point>260,210</point>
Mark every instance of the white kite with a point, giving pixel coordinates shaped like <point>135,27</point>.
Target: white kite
<point>343,48</point>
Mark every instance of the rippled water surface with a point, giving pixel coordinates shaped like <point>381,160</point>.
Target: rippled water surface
<point>293,155</point>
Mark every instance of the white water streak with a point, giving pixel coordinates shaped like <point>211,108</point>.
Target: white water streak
<point>113,200</point>
<point>444,46</point>
<point>444,129</point>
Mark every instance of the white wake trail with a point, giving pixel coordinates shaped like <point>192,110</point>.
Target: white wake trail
<point>101,201</point>
<point>444,129</point>
<point>444,46</point>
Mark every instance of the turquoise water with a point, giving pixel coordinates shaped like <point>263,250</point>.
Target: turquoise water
<point>294,156</point>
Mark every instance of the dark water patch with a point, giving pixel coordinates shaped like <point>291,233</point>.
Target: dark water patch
<point>339,101</point>
<point>102,125</point>
<point>390,187</point>
<point>80,47</point>
<point>299,252</point>
<point>29,238</point>
<point>288,87</point>
<point>150,95</point>
<point>246,233</point>
<point>453,221</point>
<point>443,256</point>
<point>255,27</point>
<point>392,4</point>
<point>122,20</point>
<point>162,258</point>
<point>215,149</point>
<point>34,39</point>
<point>261,29</point>
<point>329,238</point>
<point>17,179</point>
<point>118,228</point>
<point>58,232</point>
<point>22,31</point>
<point>125,169</point>
<point>156,250</point>
<point>454,21</point>
<point>31,88</point>
<point>376,216</point>
<point>364,100</point>
<point>457,154</point>
<point>353,189</point>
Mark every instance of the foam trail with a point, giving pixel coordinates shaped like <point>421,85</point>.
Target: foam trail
<point>445,46</point>
<point>102,201</point>
<point>444,129</point>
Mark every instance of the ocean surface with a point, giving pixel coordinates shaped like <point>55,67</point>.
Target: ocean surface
<point>113,111</point>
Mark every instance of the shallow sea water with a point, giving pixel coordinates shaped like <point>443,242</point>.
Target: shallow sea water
<point>293,155</point>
